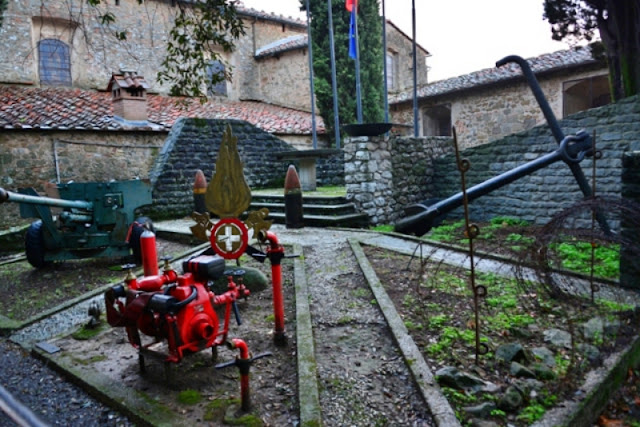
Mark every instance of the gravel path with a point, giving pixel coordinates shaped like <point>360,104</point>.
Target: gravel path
<point>362,376</point>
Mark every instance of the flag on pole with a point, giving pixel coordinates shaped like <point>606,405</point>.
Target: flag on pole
<point>352,6</point>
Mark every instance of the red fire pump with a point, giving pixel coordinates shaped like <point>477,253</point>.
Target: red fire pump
<point>179,309</point>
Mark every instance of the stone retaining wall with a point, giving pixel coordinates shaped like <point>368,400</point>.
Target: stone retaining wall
<point>28,159</point>
<point>630,228</point>
<point>384,176</point>
<point>537,197</point>
<point>194,143</point>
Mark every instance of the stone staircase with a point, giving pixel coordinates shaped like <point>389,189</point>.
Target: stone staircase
<point>318,210</point>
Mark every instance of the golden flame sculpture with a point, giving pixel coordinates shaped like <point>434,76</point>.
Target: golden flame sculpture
<point>228,194</point>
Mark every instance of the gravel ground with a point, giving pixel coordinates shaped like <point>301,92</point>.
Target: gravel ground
<point>51,398</point>
<point>363,380</point>
<point>362,377</point>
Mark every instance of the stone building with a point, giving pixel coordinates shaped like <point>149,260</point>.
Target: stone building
<point>64,80</point>
<point>489,104</point>
<point>400,64</point>
<point>61,43</point>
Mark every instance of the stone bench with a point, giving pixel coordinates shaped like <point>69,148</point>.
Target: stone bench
<point>307,162</point>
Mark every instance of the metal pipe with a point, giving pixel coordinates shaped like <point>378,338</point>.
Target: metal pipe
<point>149,253</point>
<point>10,196</point>
<point>152,283</point>
<point>416,119</point>
<point>68,217</point>
<point>55,160</point>
<point>384,62</point>
<point>312,89</point>
<point>334,79</point>
<point>358,90</point>
<point>275,253</point>
<point>19,413</point>
<point>244,365</point>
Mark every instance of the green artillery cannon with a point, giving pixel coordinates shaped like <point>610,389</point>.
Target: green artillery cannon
<point>97,220</point>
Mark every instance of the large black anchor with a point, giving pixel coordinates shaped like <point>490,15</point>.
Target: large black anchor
<point>572,150</point>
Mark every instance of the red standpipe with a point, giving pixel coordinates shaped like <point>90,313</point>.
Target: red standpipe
<point>149,253</point>
<point>244,365</point>
<point>275,253</point>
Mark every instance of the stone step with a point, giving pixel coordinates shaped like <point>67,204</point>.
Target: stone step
<point>352,220</point>
<point>318,211</point>
<point>308,208</point>
<point>306,199</point>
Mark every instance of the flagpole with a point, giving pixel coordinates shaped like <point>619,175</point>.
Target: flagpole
<point>384,62</point>
<point>415,73</point>
<point>314,136</point>
<point>358,94</point>
<point>334,84</point>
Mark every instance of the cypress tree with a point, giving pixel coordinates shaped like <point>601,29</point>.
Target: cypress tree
<point>371,66</point>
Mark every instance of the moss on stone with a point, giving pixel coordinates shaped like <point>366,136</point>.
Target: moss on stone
<point>86,333</point>
<point>189,397</point>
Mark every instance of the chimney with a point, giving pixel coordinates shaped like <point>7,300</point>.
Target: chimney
<point>129,96</point>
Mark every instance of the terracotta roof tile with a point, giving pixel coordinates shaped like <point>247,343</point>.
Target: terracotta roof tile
<point>63,108</point>
<point>563,59</point>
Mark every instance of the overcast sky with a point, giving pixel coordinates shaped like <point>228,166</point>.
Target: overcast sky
<point>462,36</point>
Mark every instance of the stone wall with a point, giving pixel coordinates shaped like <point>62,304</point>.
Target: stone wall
<point>630,231</point>
<point>28,159</point>
<point>252,79</point>
<point>537,197</point>
<point>383,175</point>
<point>418,170</point>
<point>400,44</point>
<point>284,79</point>
<point>194,143</point>
<point>94,53</point>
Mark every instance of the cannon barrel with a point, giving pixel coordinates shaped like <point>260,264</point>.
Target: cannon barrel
<point>420,218</point>
<point>10,196</point>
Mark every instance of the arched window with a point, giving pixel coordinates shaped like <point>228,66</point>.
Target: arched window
<point>55,63</point>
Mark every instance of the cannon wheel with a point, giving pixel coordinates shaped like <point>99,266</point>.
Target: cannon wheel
<point>141,224</point>
<point>34,245</point>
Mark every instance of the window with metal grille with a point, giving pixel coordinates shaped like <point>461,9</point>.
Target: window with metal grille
<point>55,64</point>
<point>220,88</point>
